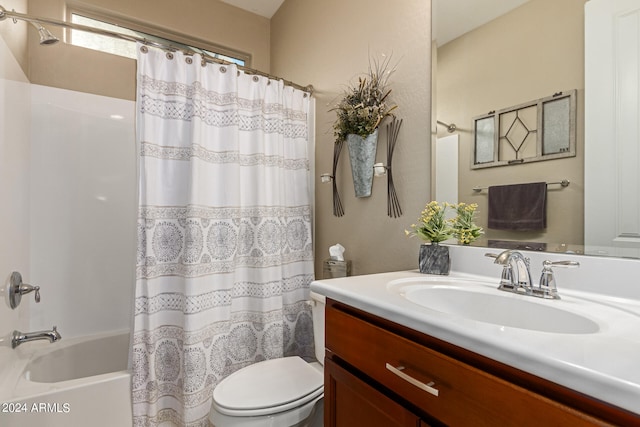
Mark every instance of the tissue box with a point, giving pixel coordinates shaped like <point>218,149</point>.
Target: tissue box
<point>333,268</point>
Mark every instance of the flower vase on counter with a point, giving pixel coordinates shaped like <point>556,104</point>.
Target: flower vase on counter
<point>434,259</point>
<point>434,227</point>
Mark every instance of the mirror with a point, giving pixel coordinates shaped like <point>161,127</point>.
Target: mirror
<point>494,54</point>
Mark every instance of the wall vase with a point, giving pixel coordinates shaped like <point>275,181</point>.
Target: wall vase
<point>362,155</point>
<point>434,259</point>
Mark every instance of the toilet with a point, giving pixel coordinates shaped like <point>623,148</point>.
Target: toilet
<point>286,392</point>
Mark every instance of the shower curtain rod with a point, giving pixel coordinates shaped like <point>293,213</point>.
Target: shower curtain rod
<point>4,14</point>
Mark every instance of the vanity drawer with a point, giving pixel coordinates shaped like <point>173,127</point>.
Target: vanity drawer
<point>443,388</point>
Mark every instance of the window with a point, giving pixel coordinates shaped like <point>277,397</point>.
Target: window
<point>127,48</point>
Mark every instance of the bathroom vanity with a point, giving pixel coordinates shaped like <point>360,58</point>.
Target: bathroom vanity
<point>397,356</point>
<point>363,351</point>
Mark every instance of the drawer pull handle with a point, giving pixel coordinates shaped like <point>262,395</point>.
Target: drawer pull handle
<point>426,387</point>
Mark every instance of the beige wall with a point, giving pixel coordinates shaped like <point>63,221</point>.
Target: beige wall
<point>15,35</point>
<point>70,67</point>
<point>323,43</point>
<point>327,43</point>
<point>530,53</point>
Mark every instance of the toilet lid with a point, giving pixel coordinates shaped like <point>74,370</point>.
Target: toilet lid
<point>268,387</point>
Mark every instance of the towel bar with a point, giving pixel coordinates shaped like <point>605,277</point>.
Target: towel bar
<point>564,183</point>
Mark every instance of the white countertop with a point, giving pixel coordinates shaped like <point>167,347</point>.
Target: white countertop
<point>604,364</point>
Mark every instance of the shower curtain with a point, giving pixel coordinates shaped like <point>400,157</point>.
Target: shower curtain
<point>224,256</point>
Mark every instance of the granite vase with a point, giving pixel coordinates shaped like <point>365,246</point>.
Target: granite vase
<point>434,259</point>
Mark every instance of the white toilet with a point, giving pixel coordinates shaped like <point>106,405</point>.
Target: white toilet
<point>286,392</point>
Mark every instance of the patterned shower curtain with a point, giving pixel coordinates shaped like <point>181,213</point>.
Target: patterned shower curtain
<point>224,256</point>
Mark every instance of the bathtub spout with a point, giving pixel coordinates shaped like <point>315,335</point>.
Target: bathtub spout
<point>19,337</point>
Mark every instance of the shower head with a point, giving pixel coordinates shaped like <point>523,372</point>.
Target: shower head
<point>45,35</point>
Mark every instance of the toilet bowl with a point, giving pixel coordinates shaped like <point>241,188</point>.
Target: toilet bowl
<point>285,392</point>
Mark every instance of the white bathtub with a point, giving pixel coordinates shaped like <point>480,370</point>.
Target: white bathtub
<point>76,382</point>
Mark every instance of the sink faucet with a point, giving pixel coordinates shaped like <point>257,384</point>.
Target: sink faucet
<point>19,337</point>
<point>515,274</point>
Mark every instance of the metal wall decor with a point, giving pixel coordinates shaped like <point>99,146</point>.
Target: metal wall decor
<point>337,204</point>
<point>393,203</point>
<point>362,156</point>
<point>542,129</point>
<point>377,169</point>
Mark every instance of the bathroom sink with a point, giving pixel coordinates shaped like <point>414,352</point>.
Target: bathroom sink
<point>480,302</point>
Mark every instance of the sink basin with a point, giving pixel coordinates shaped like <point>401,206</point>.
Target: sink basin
<point>479,302</point>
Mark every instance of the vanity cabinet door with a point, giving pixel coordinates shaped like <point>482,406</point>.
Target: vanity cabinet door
<point>438,386</point>
<point>350,402</point>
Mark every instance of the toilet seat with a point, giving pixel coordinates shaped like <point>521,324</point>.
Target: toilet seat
<point>268,387</point>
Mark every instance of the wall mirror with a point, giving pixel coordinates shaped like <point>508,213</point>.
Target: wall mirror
<point>493,54</point>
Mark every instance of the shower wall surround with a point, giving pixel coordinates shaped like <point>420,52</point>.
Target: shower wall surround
<point>68,185</point>
<point>14,189</point>
<point>82,210</point>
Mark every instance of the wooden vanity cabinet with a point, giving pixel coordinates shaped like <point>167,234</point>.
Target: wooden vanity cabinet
<point>378,373</point>
<point>356,403</point>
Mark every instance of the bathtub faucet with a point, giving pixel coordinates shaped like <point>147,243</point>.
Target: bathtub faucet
<point>19,337</point>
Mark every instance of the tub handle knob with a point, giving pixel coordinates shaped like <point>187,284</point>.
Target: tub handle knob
<point>17,289</point>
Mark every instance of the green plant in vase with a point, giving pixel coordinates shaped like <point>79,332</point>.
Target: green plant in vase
<point>360,111</point>
<point>433,227</point>
<point>364,106</point>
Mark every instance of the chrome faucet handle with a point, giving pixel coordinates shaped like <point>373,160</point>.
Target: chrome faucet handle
<point>17,288</point>
<point>505,256</point>
<point>547,287</point>
<point>25,289</point>
<point>506,278</point>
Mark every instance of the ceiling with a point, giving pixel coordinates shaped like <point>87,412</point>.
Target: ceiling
<point>452,17</point>
<point>266,8</point>
<point>456,17</point>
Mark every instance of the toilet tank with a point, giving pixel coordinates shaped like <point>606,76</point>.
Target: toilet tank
<point>317,309</point>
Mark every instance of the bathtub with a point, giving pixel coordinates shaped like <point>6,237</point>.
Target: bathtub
<point>75,382</point>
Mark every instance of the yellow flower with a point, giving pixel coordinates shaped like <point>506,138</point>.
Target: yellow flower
<point>465,230</point>
<point>432,225</point>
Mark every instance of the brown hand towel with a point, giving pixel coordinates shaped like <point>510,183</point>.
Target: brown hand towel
<point>519,207</point>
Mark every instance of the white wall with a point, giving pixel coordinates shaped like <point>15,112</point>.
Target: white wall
<point>67,216</point>
<point>83,210</point>
<point>14,191</point>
